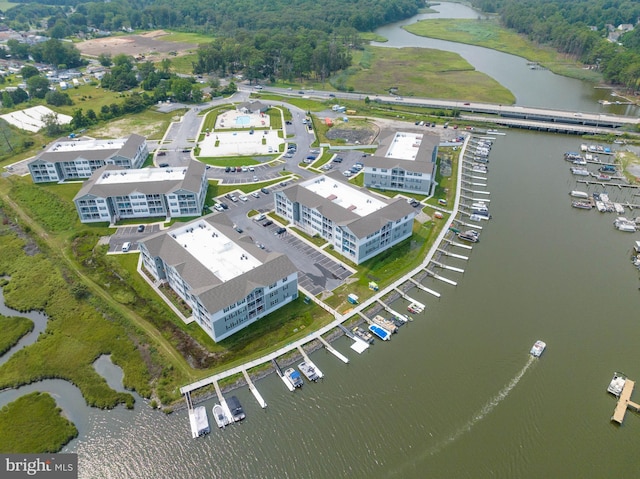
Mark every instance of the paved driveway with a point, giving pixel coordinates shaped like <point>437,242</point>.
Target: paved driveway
<point>130,234</point>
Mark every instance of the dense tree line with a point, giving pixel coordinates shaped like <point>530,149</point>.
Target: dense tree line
<point>579,28</point>
<point>220,17</point>
<point>278,55</point>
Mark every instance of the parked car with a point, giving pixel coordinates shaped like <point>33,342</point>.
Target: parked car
<point>218,207</point>
<point>337,159</point>
<point>234,199</point>
<point>227,169</point>
<point>255,194</point>
<point>224,205</point>
<point>163,165</point>
<point>238,229</point>
<point>162,153</point>
<point>265,191</point>
<point>243,198</point>
<point>140,228</point>
<point>267,223</point>
<point>279,231</point>
<point>126,247</point>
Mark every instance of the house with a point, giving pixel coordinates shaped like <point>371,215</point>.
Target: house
<point>224,278</point>
<point>113,193</point>
<point>252,107</point>
<point>78,158</point>
<point>404,161</point>
<point>358,224</point>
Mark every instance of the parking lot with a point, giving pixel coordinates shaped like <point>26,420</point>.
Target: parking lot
<point>130,234</point>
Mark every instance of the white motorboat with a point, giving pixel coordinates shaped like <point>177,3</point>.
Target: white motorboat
<point>579,194</point>
<point>624,224</point>
<point>617,384</point>
<point>220,417</point>
<point>309,371</point>
<point>538,348</point>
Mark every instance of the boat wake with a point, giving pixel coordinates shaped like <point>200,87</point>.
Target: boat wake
<point>484,411</point>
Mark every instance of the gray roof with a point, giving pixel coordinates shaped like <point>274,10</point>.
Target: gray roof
<point>360,226</point>
<point>213,293</point>
<point>194,173</point>
<point>421,164</point>
<point>128,150</point>
<point>252,106</point>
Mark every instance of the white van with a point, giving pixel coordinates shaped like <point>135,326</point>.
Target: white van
<point>126,247</point>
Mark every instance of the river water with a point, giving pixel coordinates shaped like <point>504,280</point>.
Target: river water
<point>455,394</point>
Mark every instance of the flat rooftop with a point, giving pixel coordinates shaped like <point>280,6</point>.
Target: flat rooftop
<point>118,177</point>
<point>404,146</point>
<point>84,145</point>
<point>215,251</point>
<point>344,195</point>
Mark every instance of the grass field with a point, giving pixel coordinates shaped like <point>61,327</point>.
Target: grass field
<point>11,330</point>
<point>426,73</point>
<point>490,34</point>
<point>32,424</point>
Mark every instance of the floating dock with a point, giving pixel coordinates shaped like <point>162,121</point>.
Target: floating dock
<point>358,345</point>
<point>446,266</point>
<point>223,402</point>
<point>252,388</point>
<point>624,402</point>
<point>333,351</point>
<point>388,309</point>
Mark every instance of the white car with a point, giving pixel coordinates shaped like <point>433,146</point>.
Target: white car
<point>243,198</point>
<point>218,207</point>
<point>255,194</point>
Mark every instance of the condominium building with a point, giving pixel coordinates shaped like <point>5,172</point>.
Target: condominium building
<point>227,281</point>
<point>113,194</point>
<point>357,223</point>
<point>78,158</point>
<point>404,161</point>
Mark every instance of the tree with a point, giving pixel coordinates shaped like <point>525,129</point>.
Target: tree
<point>18,50</point>
<point>7,101</point>
<point>52,126</point>
<point>38,86</point>
<point>105,59</point>
<point>79,120</point>
<point>29,71</point>
<point>57,98</point>
<point>18,96</point>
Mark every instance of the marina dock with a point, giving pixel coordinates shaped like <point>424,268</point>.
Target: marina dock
<point>388,309</point>
<point>446,266</point>
<point>252,388</point>
<point>624,402</point>
<point>282,376</point>
<point>310,363</point>
<point>453,255</point>
<point>333,351</point>
<point>423,288</point>
<point>223,403</point>
<point>358,345</point>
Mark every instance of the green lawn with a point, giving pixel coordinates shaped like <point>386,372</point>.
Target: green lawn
<point>33,424</point>
<point>491,35</point>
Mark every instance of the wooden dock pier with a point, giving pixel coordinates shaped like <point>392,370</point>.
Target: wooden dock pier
<point>624,402</point>
<point>395,313</point>
<point>252,388</point>
<point>333,351</point>
<point>223,402</point>
<point>421,286</point>
<point>453,255</point>
<point>285,380</point>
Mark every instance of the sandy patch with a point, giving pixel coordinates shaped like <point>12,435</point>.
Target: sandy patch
<point>124,127</point>
<point>145,44</point>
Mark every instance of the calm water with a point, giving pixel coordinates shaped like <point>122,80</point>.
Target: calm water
<point>531,87</point>
<point>455,393</point>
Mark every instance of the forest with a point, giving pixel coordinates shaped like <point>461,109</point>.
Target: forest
<point>219,17</point>
<point>579,28</point>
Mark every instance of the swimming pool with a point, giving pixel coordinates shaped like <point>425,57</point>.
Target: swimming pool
<point>243,120</point>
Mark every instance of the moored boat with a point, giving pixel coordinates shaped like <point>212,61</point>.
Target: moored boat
<point>471,236</point>
<point>617,384</point>
<point>585,205</point>
<point>603,177</point>
<point>579,171</point>
<point>579,194</point>
<point>236,409</point>
<point>294,377</point>
<point>624,224</point>
<point>380,332</point>
<point>477,217</point>
<point>387,324</point>
<point>415,308</point>
<point>220,417</point>
<point>366,336</point>
<point>538,348</point>
<point>199,421</point>
<point>309,371</point>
